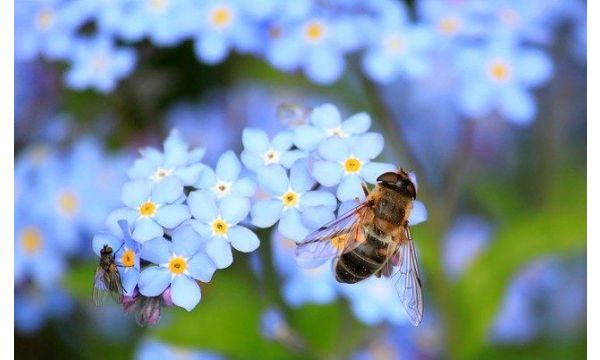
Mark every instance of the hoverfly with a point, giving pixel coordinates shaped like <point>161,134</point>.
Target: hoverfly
<point>107,278</point>
<point>373,239</point>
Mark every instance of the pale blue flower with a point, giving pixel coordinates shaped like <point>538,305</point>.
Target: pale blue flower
<point>97,63</point>
<point>500,77</point>
<point>225,180</point>
<point>293,203</point>
<point>220,225</point>
<point>180,263</point>
<point>259,151</point>
<point>151,208</point>
<point>347,163</point>
<point>155,350</point>
<point>176,161</point>
<point>467,238</point>
<point>325,122</point>
<point>33,307</point>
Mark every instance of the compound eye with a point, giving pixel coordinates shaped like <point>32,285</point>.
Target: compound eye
<point>388,177</point>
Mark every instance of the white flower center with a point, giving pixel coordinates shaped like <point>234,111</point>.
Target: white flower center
<point>158,6</point>
<point>222,188</point>
<point>271,157</point>
<point>337,131</point>
<point>160,174</point>
<point>45,19</point>
<point>394,44</point>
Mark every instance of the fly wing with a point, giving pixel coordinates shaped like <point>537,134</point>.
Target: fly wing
<point>407,281</point>
<point>115,287</point>
<point>338,236</point>
<point>100,288</point>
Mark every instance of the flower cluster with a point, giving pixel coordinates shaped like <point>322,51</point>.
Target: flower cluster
<point>481,43</point>
<point>181,218</point>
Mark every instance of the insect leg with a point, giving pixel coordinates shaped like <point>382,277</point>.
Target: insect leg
<point>365,188</point>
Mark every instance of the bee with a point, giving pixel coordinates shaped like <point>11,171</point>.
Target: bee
<point>107,278</point>
<point>373,239</point>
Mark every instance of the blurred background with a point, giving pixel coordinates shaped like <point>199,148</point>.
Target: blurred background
<point>485,101</point>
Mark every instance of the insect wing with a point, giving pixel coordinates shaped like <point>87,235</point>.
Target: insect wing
<point>100,288</point>
<point>407,281</point>
<point>330,239</point>
<point>114,286</point>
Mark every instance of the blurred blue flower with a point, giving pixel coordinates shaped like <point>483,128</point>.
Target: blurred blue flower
<point>259,152</point>
<point>223,25</point>
<point>468,237</point>
<point>452,21</point>
<point>347,163</point>
<point>126,252</point>
<point>175,161</point>
<point>500,77</point>
<point>33,307</point>
<point>298,208</point>
<point>219,224</point>
<point>97,63</point>
<point>301,286</point>
<point>225,180</point>
<point>374,301</point>
<point>155,350</point>
<point>150,208</point>
<point>180,262</point>
<point>326,122</point>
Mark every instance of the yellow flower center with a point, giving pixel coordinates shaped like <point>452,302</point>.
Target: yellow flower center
<point>128,258</point>
<point>158,5</point>
<point>271,157</point>
<point>352,165</point>
<point>314,31</point>
<point>221,16</point>
<point>31,239</point>
<point>290,199</point>
<point>45,19</point>
<point>68,202</point>
<point>177,265</point>
<point>219,227</point>
<point>394,44</point>
<point>499,70</point>
<point>448,25</point>
<point>147,209</point>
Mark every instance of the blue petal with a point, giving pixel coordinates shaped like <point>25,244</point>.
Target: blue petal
<point>371,171</point>
<point>202,205</point>
<point>207,179</point>
<point>326,116</point>
<point>234,209</point>
<point>255,140</point>
<point>244,187</point>
<point>228,167</point>
<point>112,221</point>
<point>533,67</point>
<point>357,124</point>
<point>350,188</point>
<point>211,48</point>
<point>324,65</point>
<point>252,161</point>
<point>167,190</point>
<point>288,158</point>
<point>319,198</point>
<point>185,241</point>
<point>189,175</point>
<point>157,251</point>
<point>129,279</point>
<point>104,238</point>
<point>517,105</point>
<point>154,280</point>
<point>476,98</point>
<point>243,239</point>
<point>347,206</point>
<point>418,213</point>
<point>334,149</point>
<point>135,192</point>
<point>327,173</point>
<point>273,179</point>
<point>308,137</point>
<point>185,292</point>
<point>201,267</point>
<point>282,141</point>
<point>266,213</point>
<point>142,169</point>
<point>201,228</point>
<point>370,151</point>
<point>300,178</point>
<point>291,225</point>
<point>146,229</point>
<point>170,216</point>
<point>315,217</point>
<point>379,67</point>
<point>219,252</point>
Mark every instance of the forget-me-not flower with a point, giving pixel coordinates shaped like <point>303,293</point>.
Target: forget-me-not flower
<point>347,163</point>
<point>97,63</point>
<point>259,151</point>
<point>150,208</point>
<point>325,122</point>
<point>293,203</point>
<point>225,180</point>
<point>219,223</point>
<point>180,263</point>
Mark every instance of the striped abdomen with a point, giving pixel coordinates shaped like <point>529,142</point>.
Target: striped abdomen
<point>364,261</point>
